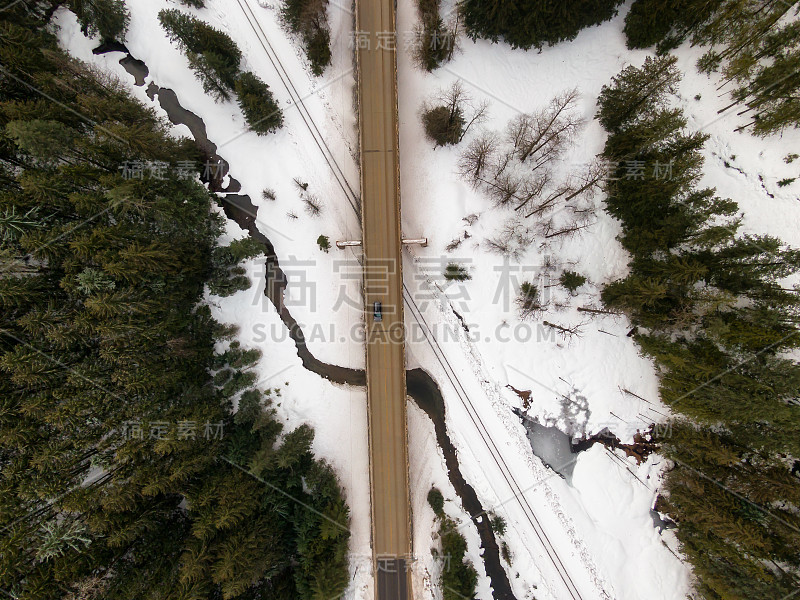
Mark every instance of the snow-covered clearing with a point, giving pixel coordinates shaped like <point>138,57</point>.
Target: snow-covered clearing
<point>600,525</point>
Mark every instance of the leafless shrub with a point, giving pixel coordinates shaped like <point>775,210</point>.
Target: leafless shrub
<point>471,219</point>
<point>291,215</point>
<point>549,263</point>
<point>300,184</point>
<point>268,194</point>
<point>312,204</point>
<point>566,332</point>
<point>93,586</point>
<point>454,244</point>
<point>560,305</point>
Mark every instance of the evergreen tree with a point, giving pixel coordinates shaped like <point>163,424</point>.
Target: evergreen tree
<point>637,92</point>
<point>217,78</point>
<point>108,18</point>
<point>752,43</point>
<point>725,498</point>
<point>309,19</point>
<point>262,113</point>
<point>651,22</point>
<point>435,42</point>
<point>460,578</point>
<point>444,125</point>
<point>212,54</point>
<point>528,23</point>
<point>717,319</point>
<point>572,280</point>
<point>103,333</point>
<point>436,500</point>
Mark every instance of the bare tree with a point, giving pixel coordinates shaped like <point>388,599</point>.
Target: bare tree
<point>541,137</point>
<point>549,229</point>
<point>449,117</point>
<point>548,153</point>
<point>531,188</point>
<point>479,113</point>
<point>513,240</point>
<point>504,188</point>
<point>567,332</point>
<point>515,169</point>
<point>589,181</point>
<point>518,130</point>
<point>454,97</point>
<point>460,103</point>
<point>548,203</point>
<point>566,192</point>
<point>499,244</point>
<point>478,157</point>
<point>502,162</point>
<point>550,127</point>
<point>597,311</point>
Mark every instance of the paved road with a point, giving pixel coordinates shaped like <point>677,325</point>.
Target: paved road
<point>380,215</point>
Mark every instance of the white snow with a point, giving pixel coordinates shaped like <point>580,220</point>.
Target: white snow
<point>503,350</point>
<point>607,510</point>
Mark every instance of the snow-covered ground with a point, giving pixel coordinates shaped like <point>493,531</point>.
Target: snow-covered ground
<point>606,510</point>
<point>600,524</point>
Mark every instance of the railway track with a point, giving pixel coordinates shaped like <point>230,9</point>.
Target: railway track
<point>518,493</point>
<point>354,201</point>
<point>297,101</point>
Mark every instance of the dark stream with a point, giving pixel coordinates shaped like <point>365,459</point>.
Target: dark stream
<point>423,389</point>
<point>420,385</point>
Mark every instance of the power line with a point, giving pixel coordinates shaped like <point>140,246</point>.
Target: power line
<point>354,202</point>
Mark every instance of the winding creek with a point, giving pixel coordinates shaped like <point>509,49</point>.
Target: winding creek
<point>420,385</point>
